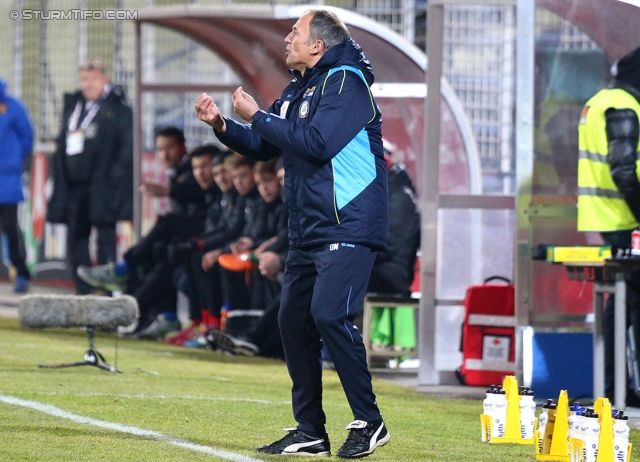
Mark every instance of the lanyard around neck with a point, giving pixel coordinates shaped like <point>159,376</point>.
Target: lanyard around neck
<point>74,119</point>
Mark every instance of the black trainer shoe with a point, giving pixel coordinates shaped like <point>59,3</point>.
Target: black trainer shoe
<point>298,443</point>
<point>235,345</point>
<point>363,439</point>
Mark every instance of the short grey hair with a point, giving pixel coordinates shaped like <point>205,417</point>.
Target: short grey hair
<point>94,65</point>
<point>326,26</point>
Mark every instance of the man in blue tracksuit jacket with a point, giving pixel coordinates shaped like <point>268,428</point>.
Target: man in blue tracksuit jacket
<point>327,127</point>
<point>16,142</point>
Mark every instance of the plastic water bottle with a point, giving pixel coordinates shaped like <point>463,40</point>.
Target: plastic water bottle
<point>487,404</point>
<point>527,413</point>
<point>499,415</point>
<point>590,436</point>
<point>574,411</point>
<point>620,437</point>
<point>578,422</point>
<point>542,423</point>
<point>575,420</point>
<point>487,408</point>
<point>550,425</point>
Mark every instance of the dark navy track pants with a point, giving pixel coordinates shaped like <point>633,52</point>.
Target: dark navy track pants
<point>323,289</point>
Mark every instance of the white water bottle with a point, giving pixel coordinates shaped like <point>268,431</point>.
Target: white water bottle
<point>579,434</point>
<point>620,437</point>
<point>575,420</point>
<point>542,423</point>
<point>487,404</point>
<point>574,410</point>
<point>590,435</point>
<point>527,413</point>
<point>487,409</point>
<point>548,428</point>
<point>499,414</point>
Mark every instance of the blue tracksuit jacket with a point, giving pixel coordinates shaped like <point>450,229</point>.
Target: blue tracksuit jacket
<point>327,127</point>
<point>16,141</point>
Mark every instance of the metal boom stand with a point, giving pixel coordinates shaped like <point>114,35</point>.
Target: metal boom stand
<point>92,357</point>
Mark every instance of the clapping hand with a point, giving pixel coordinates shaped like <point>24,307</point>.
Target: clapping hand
<point>209,113</point>
<point>244,104</point>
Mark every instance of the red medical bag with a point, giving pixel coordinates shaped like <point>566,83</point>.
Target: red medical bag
<point>488,334</point>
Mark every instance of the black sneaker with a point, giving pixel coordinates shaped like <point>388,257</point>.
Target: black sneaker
<point>235,345</point>
<point>363,439</point>
<point>298,443</point>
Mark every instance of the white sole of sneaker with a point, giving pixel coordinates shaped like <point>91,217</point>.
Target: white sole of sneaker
<point>384,440</point>
<point>308,454</point>
<point>378,444</point>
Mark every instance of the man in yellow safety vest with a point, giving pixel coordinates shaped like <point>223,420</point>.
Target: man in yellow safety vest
<point>608,184</point>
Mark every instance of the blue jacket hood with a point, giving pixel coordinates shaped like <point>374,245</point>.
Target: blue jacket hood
<point>348,53</point>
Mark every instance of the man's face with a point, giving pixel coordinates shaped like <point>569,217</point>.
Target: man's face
<point>268,186</point>
<point>170,150</point>
<point>92,82</point>
<point>243,179</point>
<point>299,54</point>
<point>202,170</point>
<point>280,174</point>
<point>222,178</point>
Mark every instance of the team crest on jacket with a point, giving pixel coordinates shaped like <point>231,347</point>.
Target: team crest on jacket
<point>304,109</point>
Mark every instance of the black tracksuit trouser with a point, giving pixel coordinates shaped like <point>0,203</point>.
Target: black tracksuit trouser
<point>9,226</point>
<point>323,290</point>
<point>78,233</point>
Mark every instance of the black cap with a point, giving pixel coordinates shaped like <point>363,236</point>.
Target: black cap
<point>627,69</point>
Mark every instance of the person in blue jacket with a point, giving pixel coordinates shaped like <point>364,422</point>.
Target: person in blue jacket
<point>16,142</point>
<point>327,128</point>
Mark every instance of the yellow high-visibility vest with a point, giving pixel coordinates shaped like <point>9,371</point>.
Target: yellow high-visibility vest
<point>601,207</point>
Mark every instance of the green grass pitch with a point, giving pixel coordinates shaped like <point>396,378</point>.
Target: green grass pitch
<point>188,399</point>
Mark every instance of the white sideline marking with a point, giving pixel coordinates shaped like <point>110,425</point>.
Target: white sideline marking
<point>143,396</point>
<point>57,412</point>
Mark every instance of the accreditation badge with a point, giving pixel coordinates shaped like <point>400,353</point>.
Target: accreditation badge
<point>75,142</point>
